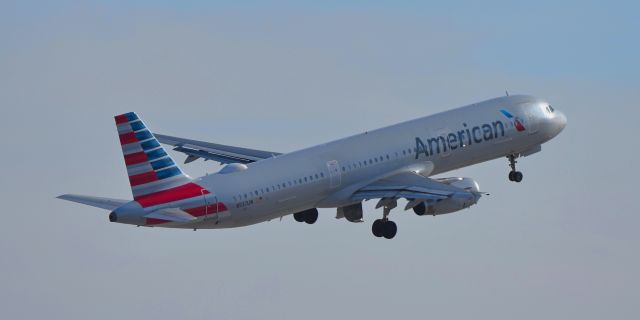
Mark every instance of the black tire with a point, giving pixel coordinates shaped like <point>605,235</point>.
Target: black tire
<point>389,229</point>
<point>420,209</point>
<point>299,216</point>
<point>311,216</point>
<point>376,228</point>
<point>517,177</point>
<point>512,176</point>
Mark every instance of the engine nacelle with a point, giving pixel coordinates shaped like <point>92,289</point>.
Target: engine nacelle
<point>453,204</point>
<point>353,213</point>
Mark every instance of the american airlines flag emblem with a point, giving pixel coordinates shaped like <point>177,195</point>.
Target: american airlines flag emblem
<point>516,121</point>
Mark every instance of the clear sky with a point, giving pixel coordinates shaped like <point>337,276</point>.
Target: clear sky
<point>285,75</point>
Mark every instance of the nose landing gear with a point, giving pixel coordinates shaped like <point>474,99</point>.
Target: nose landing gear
<point>515,176</point>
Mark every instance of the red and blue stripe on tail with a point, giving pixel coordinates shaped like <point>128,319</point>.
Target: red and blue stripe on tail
<point>154,177</point>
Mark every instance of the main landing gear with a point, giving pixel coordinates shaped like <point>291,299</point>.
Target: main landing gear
<point>515,176</point>
<point>385,227</point>
<point>309,216</point>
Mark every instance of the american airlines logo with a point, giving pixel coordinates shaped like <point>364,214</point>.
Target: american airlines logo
<point>516,121</point>
<point>465,137</point>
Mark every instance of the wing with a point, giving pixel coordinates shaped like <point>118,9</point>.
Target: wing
<point>212,151</point>
<point>98,202</point>
<point>410,186</point>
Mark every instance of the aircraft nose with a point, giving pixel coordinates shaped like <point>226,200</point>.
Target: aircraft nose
<point>561,121</point>
<point>557,123</point>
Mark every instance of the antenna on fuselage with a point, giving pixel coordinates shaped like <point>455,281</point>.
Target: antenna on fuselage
<point>506,92</point>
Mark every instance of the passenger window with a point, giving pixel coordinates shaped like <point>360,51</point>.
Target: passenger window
<point>316,176</point>
<point>305,179</point>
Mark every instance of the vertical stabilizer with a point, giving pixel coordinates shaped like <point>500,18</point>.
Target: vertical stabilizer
<point>149,167</point>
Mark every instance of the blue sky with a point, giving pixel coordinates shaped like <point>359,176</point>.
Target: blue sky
<point>567,34</point>
<point>285,75</point>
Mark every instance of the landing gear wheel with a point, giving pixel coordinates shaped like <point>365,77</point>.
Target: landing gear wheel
<point>517,177</point>
<point>514,175</point>
<point>389,229</point>
<point>311,217</point>
<point>377,227</point>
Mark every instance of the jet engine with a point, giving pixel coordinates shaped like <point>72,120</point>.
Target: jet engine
<point>444,206</point>
<point>309,216</point>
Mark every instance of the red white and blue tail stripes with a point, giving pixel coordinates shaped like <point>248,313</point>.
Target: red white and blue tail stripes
<point>149,167</point>
<point>156,181</point>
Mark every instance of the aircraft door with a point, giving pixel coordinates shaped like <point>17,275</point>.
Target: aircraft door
<point>334,173</point>
<point>210,206</point>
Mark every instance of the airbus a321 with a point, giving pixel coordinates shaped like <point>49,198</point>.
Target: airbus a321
<point>387,164</point>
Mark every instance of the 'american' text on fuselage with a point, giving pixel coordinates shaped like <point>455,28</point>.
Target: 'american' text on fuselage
<point>463,138</point>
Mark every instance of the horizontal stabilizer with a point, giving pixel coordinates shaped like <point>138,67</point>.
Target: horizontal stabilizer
<point>171,214</point>
<point>98,202</point>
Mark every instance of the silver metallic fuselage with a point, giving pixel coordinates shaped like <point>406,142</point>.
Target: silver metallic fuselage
<point>307,178</point>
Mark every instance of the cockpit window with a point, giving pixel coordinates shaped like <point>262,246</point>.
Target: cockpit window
<point>550,109</point>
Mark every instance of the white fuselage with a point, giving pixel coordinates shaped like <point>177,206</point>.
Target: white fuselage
<point>326,175</point>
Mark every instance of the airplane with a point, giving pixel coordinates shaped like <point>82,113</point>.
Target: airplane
<point>387,164</point>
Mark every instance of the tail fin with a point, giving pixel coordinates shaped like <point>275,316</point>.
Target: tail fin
<point>149,166</point>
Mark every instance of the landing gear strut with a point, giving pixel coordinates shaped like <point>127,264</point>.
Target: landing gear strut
<point>385,227</point>
<point>514,175</point>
